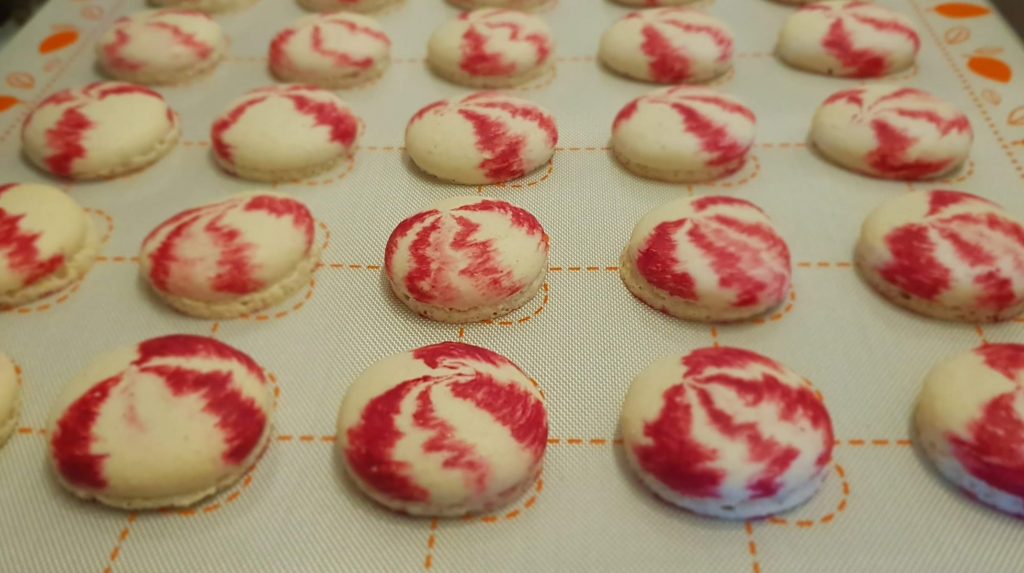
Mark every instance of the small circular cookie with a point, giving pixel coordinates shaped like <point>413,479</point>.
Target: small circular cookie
<point>525,5</point>
<point>47,242</point>
<point>284,133</point>
<point>161,47</point>
<point>727,433</point>
<point>467,259</point>
<point>10,398</point>
<point>443,431</point>
<point>683,134</point>
<point>668,46</point>
<point>849,39</point>
<point>233,257</point>
<point>945,254</point>
<point>969,423</point>
<point>481,138</point>
<point>346,5</point>
<point>712,259</point>
<point>168,422</point>
<point>102,130</point>
<point>331,51</point>
<point>208,6</point>
<point>892,132</point>
<point>491,48</point>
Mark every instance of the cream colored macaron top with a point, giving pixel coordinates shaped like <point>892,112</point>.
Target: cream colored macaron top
<point>851,39</point>
<point>970,422</point>
<point>668,46</point>
<point>47,241</point>
<point>947,253</point>
<point>708,258</point>
<point>10,398</point>
<point>482,138</point>
<point>340,49</point>
<point>100,130</point>
<point>284,132</point>
<point>164,423</point>
<point>726,432</point>
<point>467,259</point>
<point>240,252</point>
<point>161,46</point>
<point>491,47</point>
<point>443,430</point>
<point>892,132</point>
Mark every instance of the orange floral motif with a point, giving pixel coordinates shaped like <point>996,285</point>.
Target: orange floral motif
<point>21,80</point>
<point>92,12</point>
<point>958,10</point>
<point>1016,117</point>
<point>58,41</point>
<point>990,68</point>
<point>957,35</point>
<point>991,96</point>
<point>7,102</point>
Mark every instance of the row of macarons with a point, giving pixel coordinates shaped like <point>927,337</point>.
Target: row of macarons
<point>945,254</point>
<point>454,429</point>
<point>495,48</point>
<point>685,134</point>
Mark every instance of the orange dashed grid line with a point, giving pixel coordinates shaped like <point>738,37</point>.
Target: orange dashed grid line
<point>827,518</point>
<point>428,561</point>
<point>122,537</point>
<point>755,563</point>
<point>538,488</point>
<point>45,306</point>
<point>824,265</point>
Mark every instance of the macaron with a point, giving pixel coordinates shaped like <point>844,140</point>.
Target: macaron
<point>892,132</point>
<point>332,51</point>
<point>481,138</point>
<point>710,259</point>
<point>467,259</point>
<point>102,130</point>
<point>161,47</point>
<point>167,422</point>
<point>683,134</point>
<point>443,431</point>
<point>491,48</point>
<point>47,242</point>
<point>945,254</point>
<point>284,133</point>
<point>232,257</point>
<point>726,433</point>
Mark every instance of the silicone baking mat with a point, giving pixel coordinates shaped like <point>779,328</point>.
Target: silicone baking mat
<point>583,338</point>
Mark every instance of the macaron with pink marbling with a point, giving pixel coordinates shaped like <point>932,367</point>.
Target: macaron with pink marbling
<point>482,138</point>
<point>849,39</point>
<point>443,431</point>
<point>491,48</point>
<point>232,257</point>
<point>332,51</point>
<point>684,134</point>
<point>892,132</point>
<point>167,422</point>
<point>47,242</point>
<point>945,254</point>
<point>208,6</point>
<point>98,131</point>
<point>668,46</point>
<point>467,259</point>
<point>10,398</point>
<point>710,259</point>
<point>161,47</point>
<point>284,133</point>
<point>363,6</point>
<point>726,433</point>
<point>970,424</point>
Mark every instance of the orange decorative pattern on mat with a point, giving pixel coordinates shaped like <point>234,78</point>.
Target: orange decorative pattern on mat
<point>828,517</point>
<point>115,554</point>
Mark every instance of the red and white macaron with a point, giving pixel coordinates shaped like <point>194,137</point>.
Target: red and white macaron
<point>443,430</point>
<point>668,46</point>
<point>727,433</point>
<point>491,48</point>
<point>331,51</point>
<point>481,138</point>
<point>712,259</point>
<point>10,398</point>
<point>363,6</point>
<point>892,132</point>
<point>161,47</point>
<point>208,6</point>
<point>684,134</point>
<point>233,257</point>
<point>467,259</point>
<point>167,422</point>
<point>47,242</point>
<point>284,133</point>
<point>102,130</point>
<point>945,254</point>
<point>850,39</point>
<point>970,423</point>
